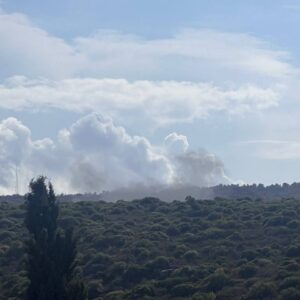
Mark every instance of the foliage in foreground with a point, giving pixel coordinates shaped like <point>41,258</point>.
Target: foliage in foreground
<point>148,249</point>
<point>51,254</point>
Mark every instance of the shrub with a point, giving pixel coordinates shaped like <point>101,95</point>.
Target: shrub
<point>141,291</point>
<point>236,237</point>
<point>216,282</point>
<point>102,259</point>
<point>215,233</point>
<point>95,288</point>
<point>184,227</point>
<point>68,222</point>
<point>157,264</point>
<point>262,290</point>
<point>202,296</point>
<point>183,290</point>
<point>293,251</point>
<point>191,255</point>
<point>172,230</point>
<point>133,275</point>
<point>290,294</point>
<point>293,224</point>
<point>115,295</point>
<point>117,269</point>
<point>249,254</point>
<point>6,223</point>
<point>247,271</point>
<point>6,235</point>
<point>292,281</point>
<point>141,253</point>
<point>277,221</point>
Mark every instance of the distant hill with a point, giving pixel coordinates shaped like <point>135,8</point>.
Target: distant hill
<point>179,192</point>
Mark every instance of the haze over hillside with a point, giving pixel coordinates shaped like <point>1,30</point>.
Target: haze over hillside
<point>181,192</point>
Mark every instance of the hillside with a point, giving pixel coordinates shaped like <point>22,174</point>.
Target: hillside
<point>149,249</point>
<point>179,192</point>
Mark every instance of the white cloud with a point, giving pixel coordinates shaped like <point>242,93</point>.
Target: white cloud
<point>193,54</point>
<point>28,50</point>
<point>95,155</point>
<point>190,54</point>
<point>161,102</point>
<point>188,75</point>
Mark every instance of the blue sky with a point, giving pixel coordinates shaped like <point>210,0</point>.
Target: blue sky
<point>212,84</point>
<point>266,19</point>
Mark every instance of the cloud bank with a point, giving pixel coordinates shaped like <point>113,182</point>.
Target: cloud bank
<point>27,49</point>
<point>160,102</point>
<point>190,54</point>
<point>189,75</point>
<point>95,155</point>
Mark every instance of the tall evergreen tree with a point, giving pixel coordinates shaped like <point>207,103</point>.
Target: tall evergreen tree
<point>51,253</point>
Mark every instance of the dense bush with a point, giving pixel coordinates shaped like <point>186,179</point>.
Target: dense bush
<point>148,249</point>
<point>262,291</point>
<point>247,271</point>
<point>216,282</point>
<point>290,294</point>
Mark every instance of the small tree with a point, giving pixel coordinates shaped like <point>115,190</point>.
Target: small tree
<point>51,254</point>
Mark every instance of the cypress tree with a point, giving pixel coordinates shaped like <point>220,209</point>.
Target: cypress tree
<point>51,254</point>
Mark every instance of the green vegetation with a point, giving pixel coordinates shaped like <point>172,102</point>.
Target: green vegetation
<point>51,254</point>
<point>148,249</point>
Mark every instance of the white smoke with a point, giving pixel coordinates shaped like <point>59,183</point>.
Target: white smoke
<point>95,155</point>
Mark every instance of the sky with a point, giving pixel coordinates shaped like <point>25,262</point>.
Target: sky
<point>99,95</point>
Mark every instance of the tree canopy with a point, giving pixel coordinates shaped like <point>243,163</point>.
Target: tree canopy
<point>51,253</point>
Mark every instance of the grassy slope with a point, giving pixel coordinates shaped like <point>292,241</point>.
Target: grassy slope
<point>148,249</point>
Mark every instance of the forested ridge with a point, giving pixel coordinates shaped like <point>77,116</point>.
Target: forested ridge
<point>150,249</point>
<point>179,192</point>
